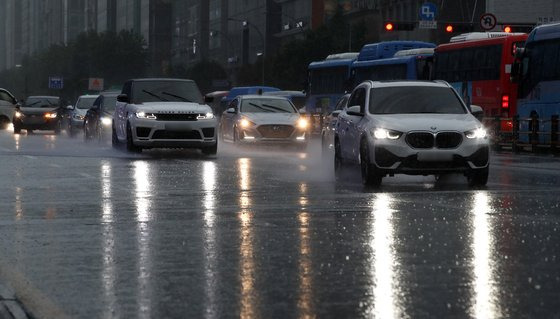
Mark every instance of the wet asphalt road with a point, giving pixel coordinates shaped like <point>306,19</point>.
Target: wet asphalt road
<point>91,232</point>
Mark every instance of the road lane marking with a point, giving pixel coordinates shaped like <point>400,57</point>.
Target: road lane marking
<point>34,301</point>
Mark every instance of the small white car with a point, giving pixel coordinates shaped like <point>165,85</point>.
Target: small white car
<point>163,113</point>
<point>77,113</point>
<point>263,119</point>
<point>411,127</point>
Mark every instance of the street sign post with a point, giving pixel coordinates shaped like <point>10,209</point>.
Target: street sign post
<point>428,12</point>
<point>95,84</point>
<point>56,82</point>
<point>488,21</point>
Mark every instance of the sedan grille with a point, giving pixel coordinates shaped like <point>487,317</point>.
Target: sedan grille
<point>442,140</point>
<point>448,139</point>
<point>420,140</point>
<point>176,117</point>
<point>276,131</point>
<point>170,135</point>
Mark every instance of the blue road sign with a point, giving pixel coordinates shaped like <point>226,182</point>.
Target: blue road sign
<point>56,82</point>
<point>428,12</point>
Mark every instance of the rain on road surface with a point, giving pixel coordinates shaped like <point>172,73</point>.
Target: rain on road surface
<point>91,232</point>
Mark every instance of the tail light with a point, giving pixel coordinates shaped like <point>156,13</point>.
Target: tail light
<point>505,101</point>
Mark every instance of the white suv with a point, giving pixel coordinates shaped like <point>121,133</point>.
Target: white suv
<point>163,113</point>
<point>411,127</point>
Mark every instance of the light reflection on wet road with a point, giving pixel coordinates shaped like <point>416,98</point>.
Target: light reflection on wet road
<point>102,233</point>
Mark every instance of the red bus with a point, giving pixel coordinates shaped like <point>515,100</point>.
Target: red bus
<point>478,66</point>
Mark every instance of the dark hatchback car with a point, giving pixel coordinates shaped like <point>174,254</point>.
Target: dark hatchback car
<point>99,118</point>
<point>38,113</point>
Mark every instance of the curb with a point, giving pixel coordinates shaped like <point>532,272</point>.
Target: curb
<point>10,308</point>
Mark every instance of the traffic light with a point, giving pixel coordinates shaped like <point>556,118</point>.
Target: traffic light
<point>525,28</point>
<point>459,27</point>
<point>398,26</point>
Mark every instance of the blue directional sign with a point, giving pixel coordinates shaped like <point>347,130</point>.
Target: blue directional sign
<point>56,82</point>
<point>428,12</point>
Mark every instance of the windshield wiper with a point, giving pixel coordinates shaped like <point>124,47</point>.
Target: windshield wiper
<point>177,96</point>
<point>276,108</point>
<point>155,95</point>
<point>260,107</point>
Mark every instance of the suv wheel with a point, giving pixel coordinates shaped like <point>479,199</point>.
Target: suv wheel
<point>17,128</point>
<point>4,122</point>
<point>114,138</point>
<point>478,177</point>
<point>338,164</point>
<point>370,174</point>
<point>129,142</point>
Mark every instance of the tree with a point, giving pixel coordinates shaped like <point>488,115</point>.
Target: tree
<point>204,72</point>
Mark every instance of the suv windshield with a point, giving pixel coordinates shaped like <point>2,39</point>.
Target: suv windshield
<point>167,91</point>
<point>86,102</point>
<point>267,106</point>
<point>41,102</point>
<point>109,103</point>
<point>414,99</point>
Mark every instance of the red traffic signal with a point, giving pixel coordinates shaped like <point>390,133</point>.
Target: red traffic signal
<point>398,26</point>
<point>449,28</point>
<point>463,27</point>
<point>507,29</point>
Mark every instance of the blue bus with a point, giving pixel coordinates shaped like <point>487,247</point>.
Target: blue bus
<point>328,80</point>
<point>537,70</point>
<point>413,64</point>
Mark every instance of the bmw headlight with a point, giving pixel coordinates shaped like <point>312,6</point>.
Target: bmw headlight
<point>382,134</point>
<point>79,117</point>
<point>107,121</point>
<point>206,116</point>
<point>144,115</point>
<point>50,115</point>
<point>476,133</point>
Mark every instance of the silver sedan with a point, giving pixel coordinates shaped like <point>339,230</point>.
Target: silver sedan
<point>263,119</point>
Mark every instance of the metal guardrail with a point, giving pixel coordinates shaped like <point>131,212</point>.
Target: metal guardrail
<point>507,133</point>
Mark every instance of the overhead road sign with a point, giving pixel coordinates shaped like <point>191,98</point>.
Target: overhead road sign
<point>488,21</point>
<point>428,12</point>
<point>56,82</point>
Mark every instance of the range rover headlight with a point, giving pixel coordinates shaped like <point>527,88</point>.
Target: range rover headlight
<point>382,134</point>
<point>476,133</point>
<point>144,115</point>
<point>207,116</point>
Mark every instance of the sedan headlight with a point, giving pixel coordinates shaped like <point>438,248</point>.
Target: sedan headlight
<point>207,116</point>
<point>79,117</point>
<point>476,133</point>
<point>302,123</point>
<point>382,134</point>
<point>107,121</point>
<point>50,115</point>
<point>245,123</point>
<point>144,115</point>
<point>18,114</point>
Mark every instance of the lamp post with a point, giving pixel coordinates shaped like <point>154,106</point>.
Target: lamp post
<point>246,23</point>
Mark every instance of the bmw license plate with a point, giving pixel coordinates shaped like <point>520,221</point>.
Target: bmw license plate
<point>434,157</point>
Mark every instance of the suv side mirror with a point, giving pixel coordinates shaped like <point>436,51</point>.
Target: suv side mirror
<point>69,107</point>
<point>122,98</point>
<point>336,113</point>
<point>302,111</point>
<point>231,110</point>
<point>477,112</point>
<point>354,110</point>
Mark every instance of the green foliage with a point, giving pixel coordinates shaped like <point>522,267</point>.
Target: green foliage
<point>204,72</point>
<point>114,57</point>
